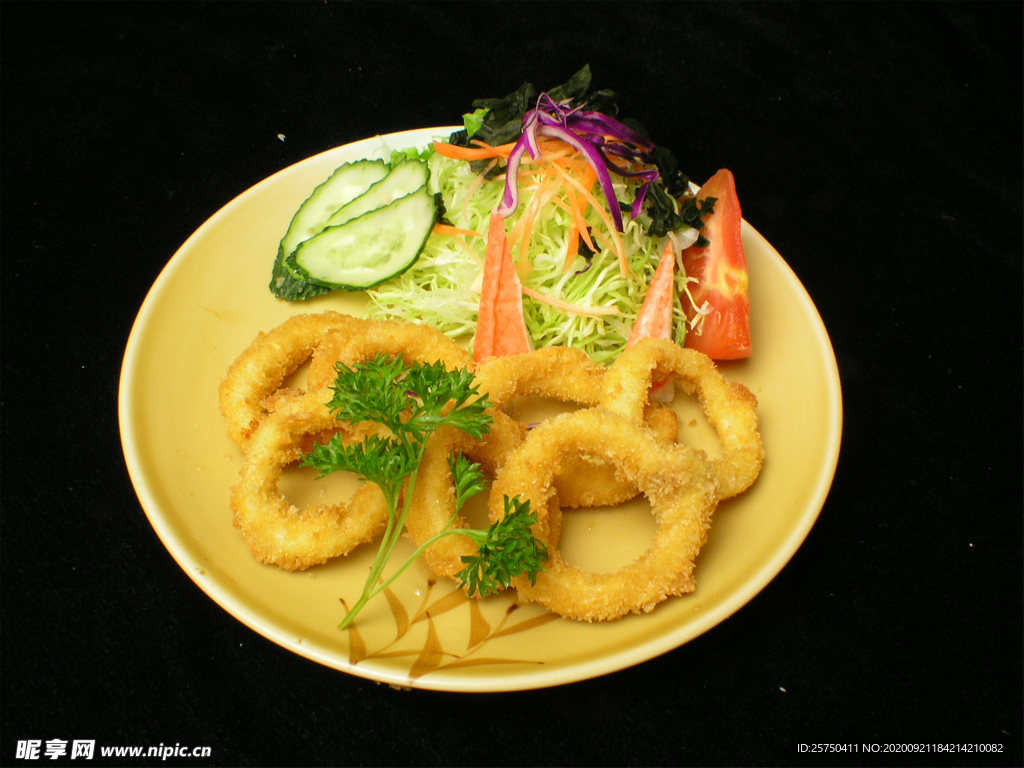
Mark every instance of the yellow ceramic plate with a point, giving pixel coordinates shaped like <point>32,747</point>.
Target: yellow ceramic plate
<point>208,305</point>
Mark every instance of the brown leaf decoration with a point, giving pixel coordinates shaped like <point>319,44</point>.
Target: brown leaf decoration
<point>479,628</point>
<point>522,626</point>
<point>421,611</point>
<point>398,611</point>
<point>356,645</point>
<point>431,656</point>
<point>443,604</point>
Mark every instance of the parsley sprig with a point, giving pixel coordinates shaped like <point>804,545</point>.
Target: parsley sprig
<point>412,402</point>
<point>505,550</point>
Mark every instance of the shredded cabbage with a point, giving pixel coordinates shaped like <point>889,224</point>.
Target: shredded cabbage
<point>443,287</point>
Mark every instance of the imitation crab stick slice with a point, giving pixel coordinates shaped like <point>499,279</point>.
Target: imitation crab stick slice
<point>500,326</point>
<point>654,321</point>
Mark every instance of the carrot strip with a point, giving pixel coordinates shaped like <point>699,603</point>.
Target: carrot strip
<point>566,306</point>
<point>466,247</point>
<point>448,229</point>
<point>578,223</point>
<point>579,209</point>
<point>572,247</point>
<point>523,231</point>
<point>475,185</point>
<point>470,153</point>
<point>616,240</point>
<point>549,154</point>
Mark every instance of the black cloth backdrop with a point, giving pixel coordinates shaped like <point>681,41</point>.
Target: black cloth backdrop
<point>877,146</point>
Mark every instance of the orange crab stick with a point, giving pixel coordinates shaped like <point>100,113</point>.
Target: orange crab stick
<point>500,326</point>
<point>654,321</point>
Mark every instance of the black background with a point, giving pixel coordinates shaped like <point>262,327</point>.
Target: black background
<point>877,146</point>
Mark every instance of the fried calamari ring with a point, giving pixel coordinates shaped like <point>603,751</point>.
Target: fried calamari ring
<point>553,371</point>
<point>432,505</point>
<point>351,345</point>
<point>252,385</point>
<point>415,343</point>
<point>276,531</point>
<point>729,406</point>
<point>434,499</point>
<point>677,480</point>
<point>564,373</point>
<point>570,375</point>
<point>586,484</point>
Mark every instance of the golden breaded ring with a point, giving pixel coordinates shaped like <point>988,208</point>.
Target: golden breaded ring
<point>434,500</point>
<point>415,343</point>
<point>276,531</point>
<point>558,372</point>
<point>730,407</point>
<point>432,506</point>
<point>570,375</point>
<point>677,480</point>
<point>563,373</point>
<point>253,380</point>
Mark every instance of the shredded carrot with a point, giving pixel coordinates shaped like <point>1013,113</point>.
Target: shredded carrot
<point>475,185</point>
<point>589,177</point>
<point>467,248</point>
<point>616,240</point>
<point>448,229</point>
<point>566,306</point>
<point>522,232</point>
<point>550,151</point>
<point>577,208</point>
<point>542,183</point>
<point>578,223</point>
<point>547,194</point>
<point>602,241</point>
<point>576,226</point>
<point>572,247</point>
<point>472,153</point>
<point>558,161</point>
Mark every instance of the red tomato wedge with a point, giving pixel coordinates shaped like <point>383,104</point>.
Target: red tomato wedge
<point>500,327</point>
<point>721,271</point>
<point>655,317</point>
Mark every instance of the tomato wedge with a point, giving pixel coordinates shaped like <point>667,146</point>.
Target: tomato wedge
<point>721,271</point>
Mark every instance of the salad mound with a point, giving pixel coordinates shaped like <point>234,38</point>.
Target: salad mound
<point>574,296</point>
<point>590,203</point>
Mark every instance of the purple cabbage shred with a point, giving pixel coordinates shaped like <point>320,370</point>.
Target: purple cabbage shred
<point>597,136</point>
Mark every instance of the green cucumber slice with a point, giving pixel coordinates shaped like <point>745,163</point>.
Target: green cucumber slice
<point>403,179</point>
<point>347,183</point>
<point>368,250</point>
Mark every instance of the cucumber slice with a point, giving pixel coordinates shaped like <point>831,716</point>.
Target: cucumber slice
<point>348,182</point>
<point>403,179</point>
<point>368,250</point>
<point>344,185</point>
